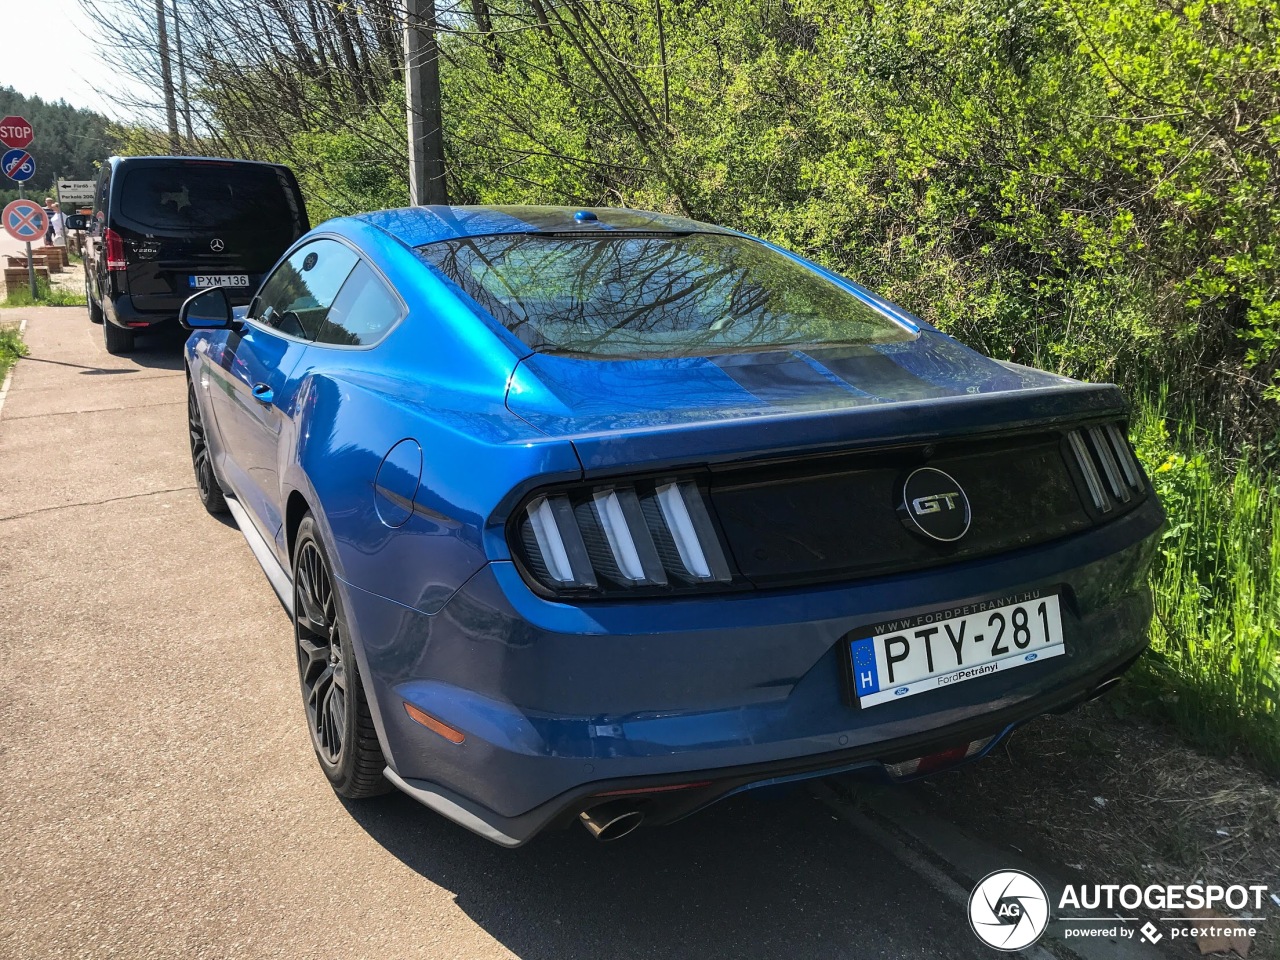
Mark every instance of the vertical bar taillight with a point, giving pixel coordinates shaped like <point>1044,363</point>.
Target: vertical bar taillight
<point>1106,462</point>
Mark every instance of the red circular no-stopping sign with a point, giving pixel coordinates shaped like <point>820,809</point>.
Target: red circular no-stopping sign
<point>25,220</point>
<point>15,132</point>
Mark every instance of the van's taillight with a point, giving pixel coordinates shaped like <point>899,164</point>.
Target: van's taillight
<point>115,249</point>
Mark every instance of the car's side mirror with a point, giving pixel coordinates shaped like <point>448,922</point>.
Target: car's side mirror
<point>207,310</point>
<point>76,221</point>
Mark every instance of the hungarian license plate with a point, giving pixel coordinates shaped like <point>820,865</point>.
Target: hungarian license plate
<point>218,280</point>
<point>901,658</point>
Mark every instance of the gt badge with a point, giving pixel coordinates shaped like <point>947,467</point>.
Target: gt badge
<point>934,505</point>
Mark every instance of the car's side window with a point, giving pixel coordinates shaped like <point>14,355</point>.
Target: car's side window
<point>364,310</point>
<point>296,298</point>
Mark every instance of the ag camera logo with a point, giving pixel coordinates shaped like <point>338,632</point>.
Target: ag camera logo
<point>1008,910</point>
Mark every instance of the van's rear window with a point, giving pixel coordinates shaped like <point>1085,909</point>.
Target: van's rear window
<point>205,197</point>
<point>610,295</point>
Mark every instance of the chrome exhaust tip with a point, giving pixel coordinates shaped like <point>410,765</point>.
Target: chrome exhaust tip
<point>1103,688</point>
<point>611,821</point>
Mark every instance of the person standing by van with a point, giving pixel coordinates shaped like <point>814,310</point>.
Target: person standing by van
<point>53,214</point>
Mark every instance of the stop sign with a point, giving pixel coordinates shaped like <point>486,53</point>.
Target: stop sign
<point>15,132</point>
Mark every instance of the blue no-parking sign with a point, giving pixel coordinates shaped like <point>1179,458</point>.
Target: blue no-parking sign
<point>18,165</point>
<point>24,220</point>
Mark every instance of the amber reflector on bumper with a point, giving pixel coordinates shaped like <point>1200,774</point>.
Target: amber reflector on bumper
<point>434,725</point>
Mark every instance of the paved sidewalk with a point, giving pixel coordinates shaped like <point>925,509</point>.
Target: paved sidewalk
<point>158,793</point>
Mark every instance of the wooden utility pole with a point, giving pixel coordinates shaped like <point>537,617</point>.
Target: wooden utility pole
<point>166,79</point>
<point>182,77</point>
<point>422,102</point>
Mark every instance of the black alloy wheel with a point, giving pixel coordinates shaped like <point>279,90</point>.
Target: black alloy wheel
<point>338,719</point>
<point>320,663</point>
<point>207,485</point>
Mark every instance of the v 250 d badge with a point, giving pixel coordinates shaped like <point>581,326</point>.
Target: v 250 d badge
<point>598,516</point>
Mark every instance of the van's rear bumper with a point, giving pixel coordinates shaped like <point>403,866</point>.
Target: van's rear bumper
<point>123,310</point>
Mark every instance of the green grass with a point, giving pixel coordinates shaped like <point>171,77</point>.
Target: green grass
<point>11,348</point>
<point>46,296</point>
<point>1214,665</point>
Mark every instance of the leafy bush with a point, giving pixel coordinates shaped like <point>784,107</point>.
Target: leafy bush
<point>1092,187</point>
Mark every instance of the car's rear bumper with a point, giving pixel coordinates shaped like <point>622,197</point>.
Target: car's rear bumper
<point>562,703</point>
<point>665,798</point>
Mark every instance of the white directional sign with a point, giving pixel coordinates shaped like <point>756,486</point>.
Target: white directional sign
<point>76,191</point>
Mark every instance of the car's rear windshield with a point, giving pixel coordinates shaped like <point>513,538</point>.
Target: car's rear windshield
<point>205,197</point>
<point>651,296</point>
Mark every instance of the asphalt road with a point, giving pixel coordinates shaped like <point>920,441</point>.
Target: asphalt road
<point>158,793</point>
<point>10,246</point>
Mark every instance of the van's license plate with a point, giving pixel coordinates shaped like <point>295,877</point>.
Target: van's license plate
<point>922,653</point>
<point>219,280</point>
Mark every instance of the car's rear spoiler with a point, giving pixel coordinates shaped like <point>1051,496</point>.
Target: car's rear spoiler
<point>775,435</point>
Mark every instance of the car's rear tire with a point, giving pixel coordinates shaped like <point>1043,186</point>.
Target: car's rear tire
<point>207,486</point>
<point>95,308</point>
<point>342,731</point>
<point>116,339</point>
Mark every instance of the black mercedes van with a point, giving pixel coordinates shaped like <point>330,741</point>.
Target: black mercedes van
<point>164,227</point>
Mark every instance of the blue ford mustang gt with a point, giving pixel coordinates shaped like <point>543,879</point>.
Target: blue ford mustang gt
<point>603,515</point>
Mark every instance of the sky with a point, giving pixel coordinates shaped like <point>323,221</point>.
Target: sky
<point>47,51</point>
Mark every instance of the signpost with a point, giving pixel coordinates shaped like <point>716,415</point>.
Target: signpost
<point>16,132</point>
<point>19,219</point>
<point>75,191</point>
<point>26,220</point>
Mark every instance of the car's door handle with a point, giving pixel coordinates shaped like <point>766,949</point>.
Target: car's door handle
<point>263,393</point>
